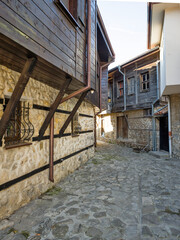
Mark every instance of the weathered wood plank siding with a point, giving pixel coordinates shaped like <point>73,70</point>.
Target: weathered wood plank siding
<point>139,99</point>
<point>118,102</point>
<point>44,29</point>
<point>104,88</point>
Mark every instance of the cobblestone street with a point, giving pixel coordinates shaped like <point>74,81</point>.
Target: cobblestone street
<point>117,195</point>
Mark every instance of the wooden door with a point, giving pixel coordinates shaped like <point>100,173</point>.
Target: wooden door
<point>122,127</point>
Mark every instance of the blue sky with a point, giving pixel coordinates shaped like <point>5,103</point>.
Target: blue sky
<point>126,24</point>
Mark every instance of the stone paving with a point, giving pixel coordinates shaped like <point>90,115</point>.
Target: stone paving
<point>117,195</point>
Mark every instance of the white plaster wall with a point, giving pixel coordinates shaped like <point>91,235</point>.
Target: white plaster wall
<point>171,52</point>
<point>163,62</point>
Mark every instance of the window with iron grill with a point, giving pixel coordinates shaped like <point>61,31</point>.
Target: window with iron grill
<point>20,129</point>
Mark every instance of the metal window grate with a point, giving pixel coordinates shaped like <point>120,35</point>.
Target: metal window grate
<point>20,128</point>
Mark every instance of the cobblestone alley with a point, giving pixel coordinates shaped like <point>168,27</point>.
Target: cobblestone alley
<point>117,195</point>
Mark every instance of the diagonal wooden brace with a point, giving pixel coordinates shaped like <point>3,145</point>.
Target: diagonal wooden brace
<point>17,93</point>
<point>53,108</point>
<point>68,120</point>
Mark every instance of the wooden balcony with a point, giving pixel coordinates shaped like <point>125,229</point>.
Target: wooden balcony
<point>43,30</point>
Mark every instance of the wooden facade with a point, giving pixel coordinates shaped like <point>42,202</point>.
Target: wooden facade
<point>134,96</point>
<point>57,37</point>
<point>52,77</point>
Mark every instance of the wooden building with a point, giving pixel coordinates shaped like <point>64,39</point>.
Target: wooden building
<point>133,90</point>
<point>54,57</point>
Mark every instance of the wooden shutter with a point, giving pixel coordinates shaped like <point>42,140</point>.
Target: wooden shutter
<point>133,85</point>
<point>118,92</point>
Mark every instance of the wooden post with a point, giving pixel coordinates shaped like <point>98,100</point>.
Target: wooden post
<point>53,108</point>
<point>136,84</point>
<point>17,93</point>
<point>72,114</point>
<point>51,151</point>
<point>95,139</point>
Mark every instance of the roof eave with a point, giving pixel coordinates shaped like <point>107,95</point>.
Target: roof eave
<point>149,15</point>
<point>105,33</point>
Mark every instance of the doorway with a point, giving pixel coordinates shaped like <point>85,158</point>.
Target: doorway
<point>122,127</point>
<point>102,127</point>
<point>164,138</point>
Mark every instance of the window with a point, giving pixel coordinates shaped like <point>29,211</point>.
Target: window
<point>76,8</point>
<point>20,129</point>
<point>130,83</point>
<point>75,125</point>
<point>120,89</point>
<point>144,78</point>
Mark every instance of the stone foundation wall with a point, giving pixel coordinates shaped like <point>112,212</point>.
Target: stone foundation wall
<point>175,124</point>
<point>21,161</point>
<point>139,129</point>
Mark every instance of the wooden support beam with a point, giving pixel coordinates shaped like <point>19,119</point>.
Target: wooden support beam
<point>68,120</point>
<point>17,93</point>
<point>53,108</point>
<point>51,151</point>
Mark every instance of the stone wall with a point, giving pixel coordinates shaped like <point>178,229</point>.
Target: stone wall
<point>20,161</point>
<point>139,129</point>
<point>175,124</point>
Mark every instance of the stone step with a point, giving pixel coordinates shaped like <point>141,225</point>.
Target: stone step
<point>159,154</point>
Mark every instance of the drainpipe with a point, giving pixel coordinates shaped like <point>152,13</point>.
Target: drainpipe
<point>153,118</point>
<point>158,82</point>
<point>124,84</point>
<point>169,127</point>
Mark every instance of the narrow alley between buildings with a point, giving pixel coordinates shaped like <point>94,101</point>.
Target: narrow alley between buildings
<point>117,195</point>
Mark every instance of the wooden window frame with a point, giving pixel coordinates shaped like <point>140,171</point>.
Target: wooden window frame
<point>75,11</point>
<point>66,11</point>
<point>120,89</point>
<point>145,82</point>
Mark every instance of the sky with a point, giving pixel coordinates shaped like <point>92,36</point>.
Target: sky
<point>126,24</point>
